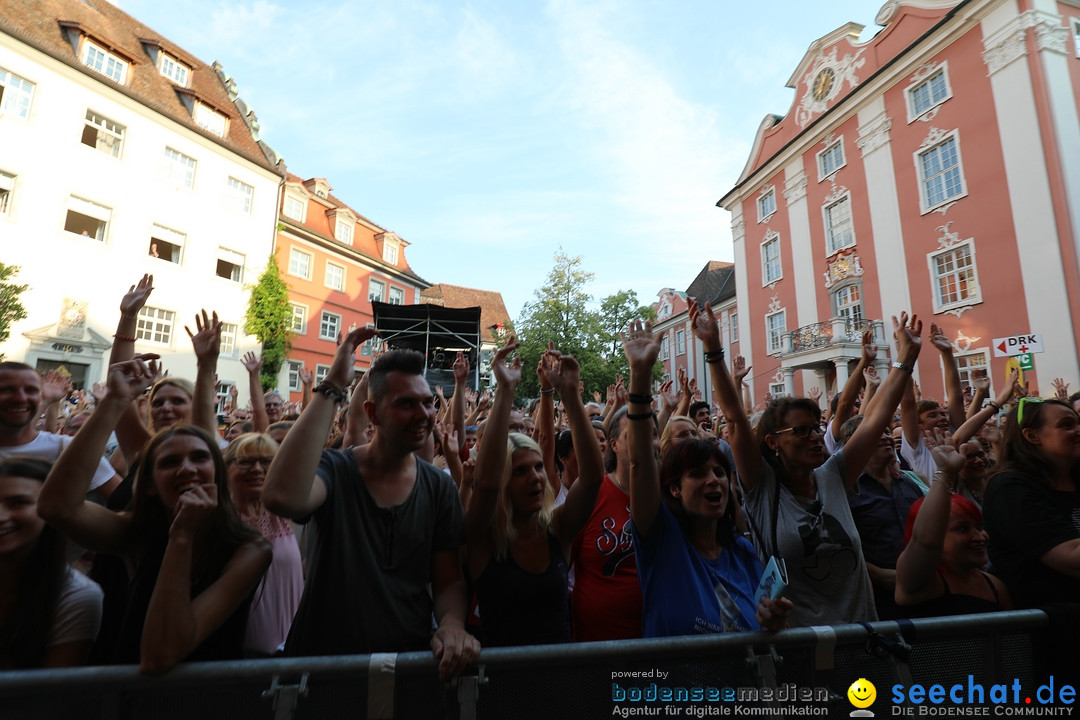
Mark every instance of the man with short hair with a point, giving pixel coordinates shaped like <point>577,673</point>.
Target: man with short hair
<point>699,412</point>
<point>20,406</point>
<point>388,524</point>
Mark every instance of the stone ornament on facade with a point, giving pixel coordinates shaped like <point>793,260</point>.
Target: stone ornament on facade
<point>874,134</point>
<point>933,137</point>
<point>795,188</point>
<point>948,239</point>
<point>1004,47</point>
<point>72,321</point>
<point>837,192</point>
<point>824,81</point>
<point>774,305</point>
<point>1050,34</point>
<point>845,265</point>
<point>738,230</point>
<point>962,343</point>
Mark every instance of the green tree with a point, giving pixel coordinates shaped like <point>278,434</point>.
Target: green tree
<point>269,318</point>
<point>11,308</point>
<point>616,312</point>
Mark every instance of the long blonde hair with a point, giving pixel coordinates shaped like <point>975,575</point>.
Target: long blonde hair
<point>503,532</point>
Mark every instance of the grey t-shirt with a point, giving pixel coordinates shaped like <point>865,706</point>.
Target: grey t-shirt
<point>827,579</point>
<point>368,572</point>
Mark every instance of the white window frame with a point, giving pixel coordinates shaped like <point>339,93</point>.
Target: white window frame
<point>108,134</point>
<point>230,333</point>
<point>173,69</point>
<point>965,368</point>
<point>92,210</point>
<point>294,256</point>
<point>833,229</point>
<point>343,232</point>
<point>390,253</point>
<point>1074,23</point>
<point>913,113</point>
<point>16,94</point>
<point>326,319</point>
<point>223,391</point>
<point>848,288</point>
<point>680,341</point>
<point>231,257</point>
<point>733,327</point>
<point>297,202</point>
<point>396,296</point>
<point>159,234</point>
<point>155,325</point>
<point>931,147</point>
<point>294,367</point>
<point>178,169</point>
<point>321,371</point>
<point>7,192</point>
<point>209,119</point>
<point>110,64</point>
<point>372,282</point>
<point>766,204</point>
<point>825,173</point>
<point>339,273</point>
<point>299,312</point>
<point>239,195</point>
<point>774,337</point>
<point>770,239</point>
<point>370,345</point>
<point>974,296</point>
<point>665,346</point>
<point>777,390</point>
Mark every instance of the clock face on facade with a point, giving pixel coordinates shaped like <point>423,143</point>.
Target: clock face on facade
<point>823,83</point>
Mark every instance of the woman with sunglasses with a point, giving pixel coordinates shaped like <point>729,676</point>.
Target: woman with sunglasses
<point>1033,502</point>
<point>796,495</point>
<point>246,460</point>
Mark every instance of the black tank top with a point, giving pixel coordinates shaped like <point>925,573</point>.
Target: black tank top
<point>950,604</point>
<point>518,607</point>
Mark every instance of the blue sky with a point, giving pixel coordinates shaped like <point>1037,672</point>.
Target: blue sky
<point>490,133</point>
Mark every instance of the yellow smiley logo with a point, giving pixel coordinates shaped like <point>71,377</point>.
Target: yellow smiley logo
<point>862,693</point>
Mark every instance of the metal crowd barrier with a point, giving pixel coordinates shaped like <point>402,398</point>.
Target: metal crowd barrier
<point>554,681</point>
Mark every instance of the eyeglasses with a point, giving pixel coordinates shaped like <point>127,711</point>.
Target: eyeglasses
<point>801,431</point>
<point>246,463</point>
<point>1020,410</point>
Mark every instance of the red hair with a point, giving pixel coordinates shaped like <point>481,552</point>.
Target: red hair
<point>960,506</point>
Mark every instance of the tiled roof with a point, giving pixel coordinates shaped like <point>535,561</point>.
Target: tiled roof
<point>490,302</point>
<point>714,283</point>
<point>41,24</point>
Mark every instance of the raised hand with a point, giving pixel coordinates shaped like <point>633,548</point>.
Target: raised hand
<point>1061,389</point>
<point>206,341</point>
<point>542,365</point>
<point>695,393</point>
<point>620,392</point>
<point>341,370</point>
<point>669,401</point>
<point>307,377</point>
<point>507,376</point>
<point>55,386</point>
<point>870,375</point>
<point>938,339</point>
<point>739,369</point>
<point>948,459</point>
<point>252,363</point>
<point>815,394</point>
<point>563,372</point>
<point>99,390</point>
<point>128,379</point>
<point>597,397</point>
<point>461,368</point>
<point>908,334</point>
<point>703,325</point>
<point>869,349</point>
<point>980,380</point>
<point>135,298</point>
<point>640,346</point>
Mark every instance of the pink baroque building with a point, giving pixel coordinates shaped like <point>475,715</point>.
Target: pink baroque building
<point>933,167</point>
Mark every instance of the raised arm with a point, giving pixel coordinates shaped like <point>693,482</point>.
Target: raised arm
<point>206,343</point>
<point>62,501</point>
<point>562,373</point>
<point>356,418</point>
<point>873,382</point>
<point>954,389</point>
<point>491,459</point>
<point>307,382</point>
<point>976,421</point>
<point>292,489</point>
<point>545,421</point>
<point>131,431</point>
<point>981,384</point>
<point>55,387</point>
<point>863,443</point>
<point>916,569</point>
<point>741,437</point>
<point>845,406</point>
<point>253,364</point>
<point>177,623</point>
<point>641,350</point>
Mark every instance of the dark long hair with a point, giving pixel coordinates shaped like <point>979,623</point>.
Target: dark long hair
<point>772,419</point>
<point>1014,452</point>
<point>680,459</point>
<point>150,519</point>
<point>41,577</point>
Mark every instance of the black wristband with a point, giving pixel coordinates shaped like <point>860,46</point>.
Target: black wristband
<point>549,391</point>
<point>640,416</point>
<point>643,398</point>
<point>994,405</point>
<point>714,355</point>
<point>330,390</point>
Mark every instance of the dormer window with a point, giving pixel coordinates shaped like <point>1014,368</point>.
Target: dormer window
<point>98,58</point>
<point>389,253</point>
<point>171,68</point>
<point>343,221</point>
<point>343,232</point>
<point>209,119</point>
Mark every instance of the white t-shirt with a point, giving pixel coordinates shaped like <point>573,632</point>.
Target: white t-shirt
<point>919,458</point>
<point>48,446</point>
<point>78,611</point>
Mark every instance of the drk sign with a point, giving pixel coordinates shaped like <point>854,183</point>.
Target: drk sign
<point>1017,345</point>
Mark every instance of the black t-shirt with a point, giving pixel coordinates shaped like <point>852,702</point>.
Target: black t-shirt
<point>368,574</point>
<point>1025,519</point>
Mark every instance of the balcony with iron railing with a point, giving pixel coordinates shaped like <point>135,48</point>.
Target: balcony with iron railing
<point>835,331</point>
<point>828,346</point>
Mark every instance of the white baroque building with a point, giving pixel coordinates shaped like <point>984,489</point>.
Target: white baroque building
<point>121,154</point>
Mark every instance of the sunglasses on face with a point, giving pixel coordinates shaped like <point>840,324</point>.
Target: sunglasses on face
<point>800,431</point>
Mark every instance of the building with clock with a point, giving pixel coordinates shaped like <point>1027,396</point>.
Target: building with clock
<point>932,167</point>
<point>122,154</point>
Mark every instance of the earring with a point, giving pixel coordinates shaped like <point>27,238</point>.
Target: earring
<point>777,451</point>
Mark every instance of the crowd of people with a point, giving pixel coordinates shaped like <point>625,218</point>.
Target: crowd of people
<point>379,515</point>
